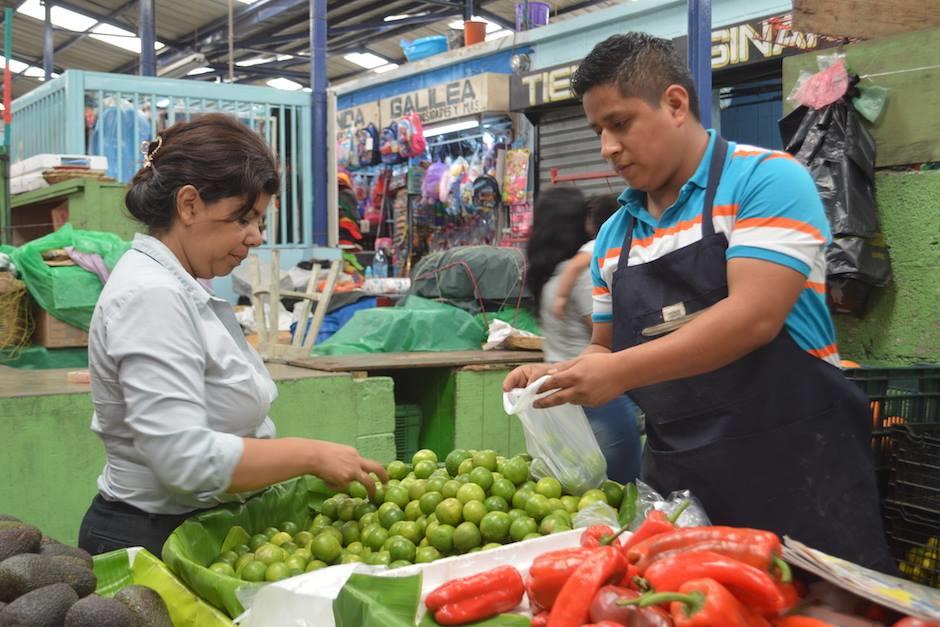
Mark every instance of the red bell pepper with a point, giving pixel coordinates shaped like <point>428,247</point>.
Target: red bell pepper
<point>701,603</point>
<point>910,621</point>
<point>800,621</point>
<point>549,572</point>
<point>540,619</point>
<point>604,623</point>
<point>632,579</point>
<point>753,587</point>
<point>604,607</point>
<point>604,565</point>
<point>476,597</point>
<point>760,549</point>
<point>597,535</point>
<point>656,523</point>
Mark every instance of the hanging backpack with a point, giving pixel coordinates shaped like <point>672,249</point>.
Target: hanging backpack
<point>367,145</point>
<point>346,149</point>
<point>411,136</point>
<point>390,147</point>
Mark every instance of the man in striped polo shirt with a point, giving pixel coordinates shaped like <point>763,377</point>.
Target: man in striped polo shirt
<point>709,309</point>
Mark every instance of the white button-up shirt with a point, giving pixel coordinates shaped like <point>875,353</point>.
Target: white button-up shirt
<point>174,383</point>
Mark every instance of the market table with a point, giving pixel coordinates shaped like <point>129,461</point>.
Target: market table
<point>445,400</point>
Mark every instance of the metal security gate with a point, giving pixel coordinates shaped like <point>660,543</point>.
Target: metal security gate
<point>567,142</point>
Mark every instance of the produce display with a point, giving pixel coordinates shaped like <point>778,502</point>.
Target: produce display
<point>45,582</point>
<point>472,501</point>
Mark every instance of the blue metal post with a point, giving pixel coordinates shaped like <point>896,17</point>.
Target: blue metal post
<point>700,55</point>
<point>148,36</point>
<point>318,83</point>
<point>48,43</point>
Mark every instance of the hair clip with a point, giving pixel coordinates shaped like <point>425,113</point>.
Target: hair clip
<point>150,154</point>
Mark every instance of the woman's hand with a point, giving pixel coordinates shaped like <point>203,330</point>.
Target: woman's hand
<point>338,465</point>
<point>524,375</point>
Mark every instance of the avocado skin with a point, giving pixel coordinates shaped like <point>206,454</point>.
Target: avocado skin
<point>68,551</point>
<point>146,605</point>
<point>20,538</point>
<point>24,573</point>
<point>96,611</point>
<point>43,607</point>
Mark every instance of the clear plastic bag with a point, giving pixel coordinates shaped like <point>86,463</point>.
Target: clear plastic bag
<point>559,439</point>
<point>649,499</point>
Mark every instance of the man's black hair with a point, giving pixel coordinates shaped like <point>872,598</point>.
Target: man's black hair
<point>639,64</point>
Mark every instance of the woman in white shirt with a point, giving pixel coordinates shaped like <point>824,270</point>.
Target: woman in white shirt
<point>180,398</point>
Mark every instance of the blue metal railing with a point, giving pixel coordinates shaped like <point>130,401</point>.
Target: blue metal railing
<point>111,114</point>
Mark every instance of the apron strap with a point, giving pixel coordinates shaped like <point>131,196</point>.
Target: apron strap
<point>715,168</point>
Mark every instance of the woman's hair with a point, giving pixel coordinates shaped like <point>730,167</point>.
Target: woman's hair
<point>557,234</point>
<point>600,207</point>
<point>215,153</point>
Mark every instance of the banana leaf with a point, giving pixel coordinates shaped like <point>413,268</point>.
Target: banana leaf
<point>195,544</point>
<point>503,620</point>
<point>121,568</point>
<point>367,601</point>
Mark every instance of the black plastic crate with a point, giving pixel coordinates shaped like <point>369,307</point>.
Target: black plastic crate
<point>914,479</point>
<point>914,539</point>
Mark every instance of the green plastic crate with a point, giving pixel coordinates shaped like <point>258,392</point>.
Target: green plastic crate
<point>407,431</point>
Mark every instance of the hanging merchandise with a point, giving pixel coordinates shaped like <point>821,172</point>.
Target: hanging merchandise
<point>367,145</point>
<point>346,149</point>
<point>516,185</point>
<point>839,152</point>
<point>389,146</point>
<point>411,136</point>
<point>485,193</point>
<point>430,187</point>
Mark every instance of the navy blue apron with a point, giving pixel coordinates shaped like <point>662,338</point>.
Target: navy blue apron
<point>777,440</point>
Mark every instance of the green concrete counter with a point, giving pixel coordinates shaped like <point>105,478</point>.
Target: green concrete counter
<point>51,459</point>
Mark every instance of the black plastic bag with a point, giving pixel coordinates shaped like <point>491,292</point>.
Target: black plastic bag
<point>836,147</point>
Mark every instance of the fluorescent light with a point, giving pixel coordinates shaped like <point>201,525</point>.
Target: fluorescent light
<point>163,103</point>
<point>199,70</point>
<point>491,27</point>
<point>499,34</point>
<point>76,22</point>
<point>365,59</point>
<point>119,38</point>
<point>395,18</point>
<point>34,72</point>
<point>253,61</point>
<point>15,66</point>
<point>450,127</point>
<point>306,90</point>
<point>388,67</point>
<point>284,83</point>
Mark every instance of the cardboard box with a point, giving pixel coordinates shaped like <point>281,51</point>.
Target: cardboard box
<point>53,333</point>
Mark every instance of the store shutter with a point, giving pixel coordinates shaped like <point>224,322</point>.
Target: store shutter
<point>567,142</point>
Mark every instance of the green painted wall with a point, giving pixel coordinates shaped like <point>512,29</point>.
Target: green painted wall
<point>93,205</point>
<point>909,128</point>
<point>50,459</point>
<point>903,323</point>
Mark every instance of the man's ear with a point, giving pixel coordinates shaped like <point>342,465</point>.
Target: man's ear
<point>187,204</point>
<point>676,101</point>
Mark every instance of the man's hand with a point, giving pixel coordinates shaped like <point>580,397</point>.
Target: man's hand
<point>592,379</point>
<point>522,376</point>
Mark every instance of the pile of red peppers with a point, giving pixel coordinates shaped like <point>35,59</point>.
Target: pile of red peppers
<point>663,576</point>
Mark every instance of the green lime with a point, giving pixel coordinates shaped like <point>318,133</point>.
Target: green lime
<point>242,549</point>
<point>398,495</point>
<point>413,510</point>
<point>424,455</point>
<point>442,538</point>
<point>571,503</point>
<point>557,505</point>
<point>346,510</point>
<point>228,557</point>
<point>496,504</point>
<point>465,467</point>
<point>293,572</point>
<point>450,511</point>
<point>304,553</point>
<point>436,484</point>
<point>399,564</point>
<point>363,508</point>
<point>462,479</point>
<point>482,477</point>
<point>426,554</point>
<point>470,492</point>
<point>223,568</point>
<point>350,531</point>
<point>276,572</point>
<point>349,558</point>
<point>375,538</point>
<point>378,497</point>
<point>289,547</point>
<point>410,530</point>
<point>302,538</point>
<point>515,513</point>
<point>454,459</point>
<point>355,547</point>
<point>372,518</point>
<point>537,507</point>
<point>417,489</point>
<point>495,527</point>
<point>397,470</point>
<point>389,514</point>
<point>280,538</point>
<point>553,523</point>
<point>486,459</point>
<point>423,469</point>
<point>328,507</point>
<point>474,511</point>
<point>244,559</point>
<point>401,548</point>
<point>315,565</point>
<point>270,553</point>
<point>326,548</point>
<point>271,532</point>
<point>254,571</point>
<point>357,489</point>
<point>521,527</point>
<point>466,536</point>
<point>614,493</point>
<point>591,496</point>
<point>296,561</point>
<point>501,464</point>
<point>429,501</point>
<point>379,558</point>
<point>290,527</point>
<point>450,489</point>
<point>320,521</point>
<point>503,488</point>
<point>532,536</point>
<point>257,540</point>
<point>490,546</point>
<point>549,487</point>
<point>520,498</point>
<point>333,532</point>
<point>516,470</point>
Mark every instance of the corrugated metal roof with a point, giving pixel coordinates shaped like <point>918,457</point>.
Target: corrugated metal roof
<point>264,28</point>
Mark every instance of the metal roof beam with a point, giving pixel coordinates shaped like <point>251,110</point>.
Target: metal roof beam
<point>222,68</point>
<point>496,19</point>
<point>80,36</point>
<point>380,26</point>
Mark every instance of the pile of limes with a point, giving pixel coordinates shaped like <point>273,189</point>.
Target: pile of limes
<point>473,501</point>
